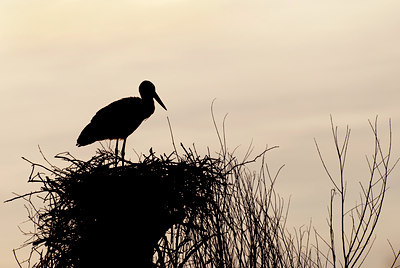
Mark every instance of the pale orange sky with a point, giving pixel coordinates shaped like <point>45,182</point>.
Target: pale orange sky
<point>278,68</point>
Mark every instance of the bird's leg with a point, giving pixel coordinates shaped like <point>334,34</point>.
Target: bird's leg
<point>116,153</point>
<point>123,152</point>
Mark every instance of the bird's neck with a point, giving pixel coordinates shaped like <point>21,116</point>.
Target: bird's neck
<point>148,100</point>
<point>148,104</point>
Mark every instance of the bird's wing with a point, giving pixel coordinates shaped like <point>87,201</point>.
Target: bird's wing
<point>115,121</point>
<point>115,110</point>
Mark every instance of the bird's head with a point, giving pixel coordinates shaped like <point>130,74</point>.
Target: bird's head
<point>147,91</point>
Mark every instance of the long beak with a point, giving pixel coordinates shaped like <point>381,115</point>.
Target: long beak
<point>157,98</point>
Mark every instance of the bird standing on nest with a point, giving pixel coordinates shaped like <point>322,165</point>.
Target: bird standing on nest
<point>121,118</point>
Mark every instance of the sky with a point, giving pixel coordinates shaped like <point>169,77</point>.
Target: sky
<point>277,69</point>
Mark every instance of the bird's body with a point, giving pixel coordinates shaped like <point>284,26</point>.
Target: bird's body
<point>117,120</point>
<point>121,118</point>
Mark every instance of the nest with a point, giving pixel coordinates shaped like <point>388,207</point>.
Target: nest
<point>99,214</point>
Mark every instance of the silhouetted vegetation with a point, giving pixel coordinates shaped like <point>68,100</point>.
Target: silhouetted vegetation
<point>187,210</point>
<point>100,215</point>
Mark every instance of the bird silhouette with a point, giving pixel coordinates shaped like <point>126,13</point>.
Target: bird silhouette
<point>121,118</point>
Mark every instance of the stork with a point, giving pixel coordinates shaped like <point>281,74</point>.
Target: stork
<point>121,118</point>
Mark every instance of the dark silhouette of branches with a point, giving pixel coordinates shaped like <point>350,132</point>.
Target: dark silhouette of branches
<point>96,214</point>
<point>191,210</point>
<point>357,224</point>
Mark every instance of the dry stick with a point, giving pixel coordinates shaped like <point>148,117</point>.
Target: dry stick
<point>360,247</point>
<point>331,231</point>
<point>24,195</point>
<point>324,165</point>
<point>396,255</point>
<point>223,152</point>
<point>172,138</point>
<point>341,154</point>
<point>318,251</point>
<point>16,259</point>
